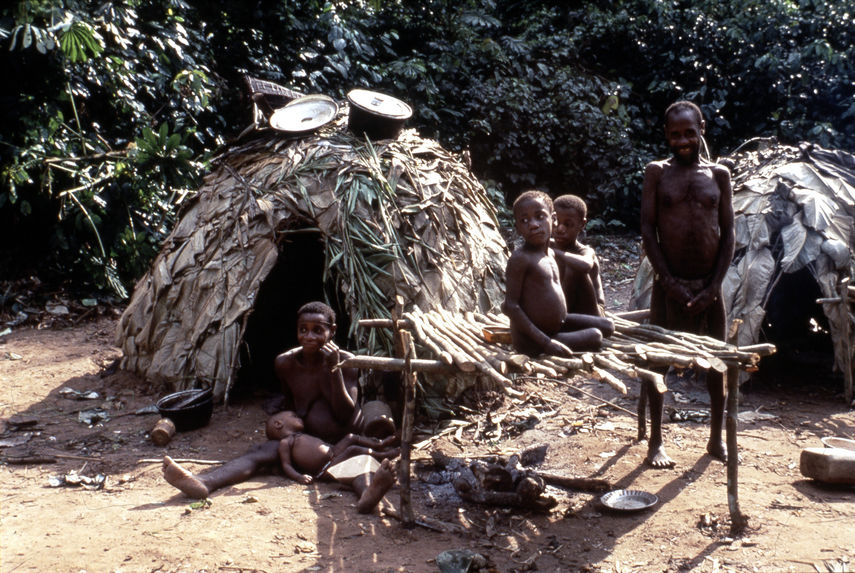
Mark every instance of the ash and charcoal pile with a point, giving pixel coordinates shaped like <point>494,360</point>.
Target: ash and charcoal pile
<point>490,480</point>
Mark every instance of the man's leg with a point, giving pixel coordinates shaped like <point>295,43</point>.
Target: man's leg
<point>656,455</point>
<point>715,386</point>
<point>235,471</point>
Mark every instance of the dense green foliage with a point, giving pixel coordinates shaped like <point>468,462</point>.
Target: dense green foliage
<point>780,68</point>
<point>106,127</point>
<point>111,111</point>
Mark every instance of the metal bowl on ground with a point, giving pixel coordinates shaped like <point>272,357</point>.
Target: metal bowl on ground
<point>188,409</point>
<point>628,500</point>
<point>377,115</point>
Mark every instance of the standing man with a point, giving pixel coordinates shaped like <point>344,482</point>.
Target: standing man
<point>687,233</point>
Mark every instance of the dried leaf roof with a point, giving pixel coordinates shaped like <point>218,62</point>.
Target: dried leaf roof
<point>396,217</point>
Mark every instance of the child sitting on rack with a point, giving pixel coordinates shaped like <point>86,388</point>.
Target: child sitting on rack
<point>534,299</point>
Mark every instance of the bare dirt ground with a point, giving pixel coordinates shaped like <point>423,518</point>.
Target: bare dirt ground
<point>137,522</point>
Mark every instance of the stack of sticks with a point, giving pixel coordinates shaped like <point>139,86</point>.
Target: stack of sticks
<point>458,342</point>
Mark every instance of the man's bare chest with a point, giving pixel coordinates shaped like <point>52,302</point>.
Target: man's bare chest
<point>695,189</point>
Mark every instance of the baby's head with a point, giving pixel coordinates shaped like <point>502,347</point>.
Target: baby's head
<point>283,424</point>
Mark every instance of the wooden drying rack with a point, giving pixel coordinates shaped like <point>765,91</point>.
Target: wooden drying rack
<point>463,343</point>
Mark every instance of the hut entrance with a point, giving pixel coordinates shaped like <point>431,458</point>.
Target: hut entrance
<point>798,327</point>
<point>296,279</point>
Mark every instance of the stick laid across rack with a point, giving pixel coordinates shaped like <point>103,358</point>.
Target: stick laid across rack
<point>479,344</point>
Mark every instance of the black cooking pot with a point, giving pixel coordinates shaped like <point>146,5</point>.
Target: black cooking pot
<point>188,409</point>
<point>377,115</point>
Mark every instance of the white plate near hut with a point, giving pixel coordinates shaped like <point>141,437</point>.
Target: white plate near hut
<point>304,114</point>
<point>628,500</point>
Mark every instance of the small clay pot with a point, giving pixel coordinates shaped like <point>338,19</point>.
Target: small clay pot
<point>378,420</point>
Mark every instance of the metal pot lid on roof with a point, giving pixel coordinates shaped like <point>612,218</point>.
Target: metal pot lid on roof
<point>379,104</point>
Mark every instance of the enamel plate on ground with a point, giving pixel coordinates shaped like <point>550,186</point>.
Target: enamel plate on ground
<point>628,500</point>
<point>834,442</point>
<point>304,114</point>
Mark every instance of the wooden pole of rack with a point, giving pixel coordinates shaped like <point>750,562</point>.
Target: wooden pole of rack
<point>738,522</point>
<point>405,348</point>
<point>407,421</point>
<point>847,339</point>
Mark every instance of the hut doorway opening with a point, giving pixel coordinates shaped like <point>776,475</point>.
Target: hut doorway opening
<point>296,279</point>
<point>798,327</point>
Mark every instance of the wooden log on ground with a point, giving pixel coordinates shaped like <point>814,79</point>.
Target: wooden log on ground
<point>27,460</point>
<point>182,461</point>
<point>579,483</point>
<point>428,522</point>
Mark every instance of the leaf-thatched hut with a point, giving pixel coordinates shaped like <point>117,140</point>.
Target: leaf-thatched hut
<point>795,235</point>
<point>282,220</point>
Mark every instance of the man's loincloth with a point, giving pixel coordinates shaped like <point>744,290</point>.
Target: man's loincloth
<point>670,314</point>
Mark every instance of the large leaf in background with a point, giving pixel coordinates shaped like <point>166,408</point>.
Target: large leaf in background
<point>751,197</point>
<point>818,210</point>
<point>79,42</point>
<point>793,238</point>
